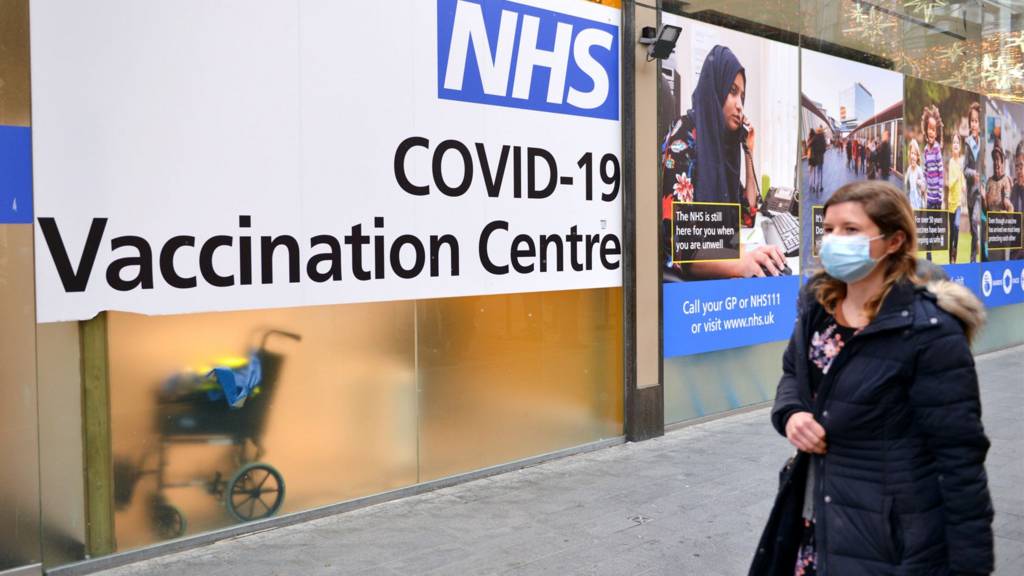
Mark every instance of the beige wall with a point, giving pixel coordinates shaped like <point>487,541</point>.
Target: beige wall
<point>648,283</point>
<point>14,63</point>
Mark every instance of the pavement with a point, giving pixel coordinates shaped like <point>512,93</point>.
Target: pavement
<point>691,502</point>
<point>837,173</point>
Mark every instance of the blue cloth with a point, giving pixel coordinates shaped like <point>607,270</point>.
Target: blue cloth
<point>718,163</point>
<point>237,384</point>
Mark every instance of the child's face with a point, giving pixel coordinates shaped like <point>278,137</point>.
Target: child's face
<point>1018,165</point>
<point>956,146</point>
<point>932,130</point>
<point>913,157</point>
<point>997,166</point>
<point>975,124</point>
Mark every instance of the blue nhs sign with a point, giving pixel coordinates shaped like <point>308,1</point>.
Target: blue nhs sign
<point>507,54</point>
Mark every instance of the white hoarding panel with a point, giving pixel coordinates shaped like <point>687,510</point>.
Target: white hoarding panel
<point>196,156</point>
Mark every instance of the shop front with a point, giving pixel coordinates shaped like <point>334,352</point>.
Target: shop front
<point>265,261</point>
<point>278,268</point>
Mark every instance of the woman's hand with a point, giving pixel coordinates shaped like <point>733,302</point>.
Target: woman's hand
<point>756,261</point>
<point>750,136</point>
<point>804,432</point>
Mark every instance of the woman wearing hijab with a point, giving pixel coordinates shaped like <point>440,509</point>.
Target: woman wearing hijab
<point>701,162</point>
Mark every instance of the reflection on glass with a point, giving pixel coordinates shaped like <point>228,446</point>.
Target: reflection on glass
<point>229,417</point>
<point>511,376</point>
<point>61,461</point>
<point>973,46</point>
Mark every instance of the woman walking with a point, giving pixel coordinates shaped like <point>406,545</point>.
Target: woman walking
<point>880,397</point>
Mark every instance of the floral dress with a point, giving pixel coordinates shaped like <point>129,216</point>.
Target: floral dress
<point>827,341</point>
<point>679,178</point>
<point>678,164</point>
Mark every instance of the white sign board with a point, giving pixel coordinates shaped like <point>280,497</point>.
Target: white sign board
<point>198,156</point>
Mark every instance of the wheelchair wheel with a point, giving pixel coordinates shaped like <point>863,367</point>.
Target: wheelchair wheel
<point>168,521</point>
<point>256,491</point>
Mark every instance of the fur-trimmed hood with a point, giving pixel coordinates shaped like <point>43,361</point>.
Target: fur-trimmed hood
<point>961,303</point>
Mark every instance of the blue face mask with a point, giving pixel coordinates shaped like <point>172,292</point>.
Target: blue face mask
<point>847,258</point>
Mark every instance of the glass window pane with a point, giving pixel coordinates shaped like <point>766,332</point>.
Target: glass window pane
<point>511,376</point>
<point>334,414</point>
<point>60,442</point>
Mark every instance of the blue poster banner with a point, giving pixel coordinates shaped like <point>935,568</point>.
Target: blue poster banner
<point>719,314</point>
<point>1002,283</point>
<point>967,275</point>
<point>15,175</point>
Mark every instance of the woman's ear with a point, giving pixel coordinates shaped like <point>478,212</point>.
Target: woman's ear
<point>895,242</point>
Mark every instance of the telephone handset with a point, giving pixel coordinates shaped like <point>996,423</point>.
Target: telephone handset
<point>743,132</point>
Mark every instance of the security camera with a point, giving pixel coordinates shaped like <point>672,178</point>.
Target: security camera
<point>660,44</point>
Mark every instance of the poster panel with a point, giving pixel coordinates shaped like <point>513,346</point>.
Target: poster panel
<point>278,156</point>
<point>1003,181</point>
<point>730,249</point>
<point>967,275</point>
<point>945,151</point>
<point>1002,198</point>
<point>1002,282</point>
<point>851,128</point>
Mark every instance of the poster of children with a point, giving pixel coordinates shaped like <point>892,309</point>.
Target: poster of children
<point>944,148</point>
<point>1003,181</point>
<point>851,128</point>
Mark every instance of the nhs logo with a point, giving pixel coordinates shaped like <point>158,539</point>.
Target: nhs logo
<point>508,54</point>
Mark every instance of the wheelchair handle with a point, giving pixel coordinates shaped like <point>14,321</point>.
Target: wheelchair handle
<point>269,333</point>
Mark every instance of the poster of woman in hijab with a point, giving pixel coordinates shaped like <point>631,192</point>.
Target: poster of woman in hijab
<point>729,206</point>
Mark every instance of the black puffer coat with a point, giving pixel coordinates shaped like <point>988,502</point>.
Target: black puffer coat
<point>902,489</point>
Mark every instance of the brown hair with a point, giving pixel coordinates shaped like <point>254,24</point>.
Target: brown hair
<point>997,149</point>
<point>932,111</point>
<point>889,209</point>
<point>975,109</point>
